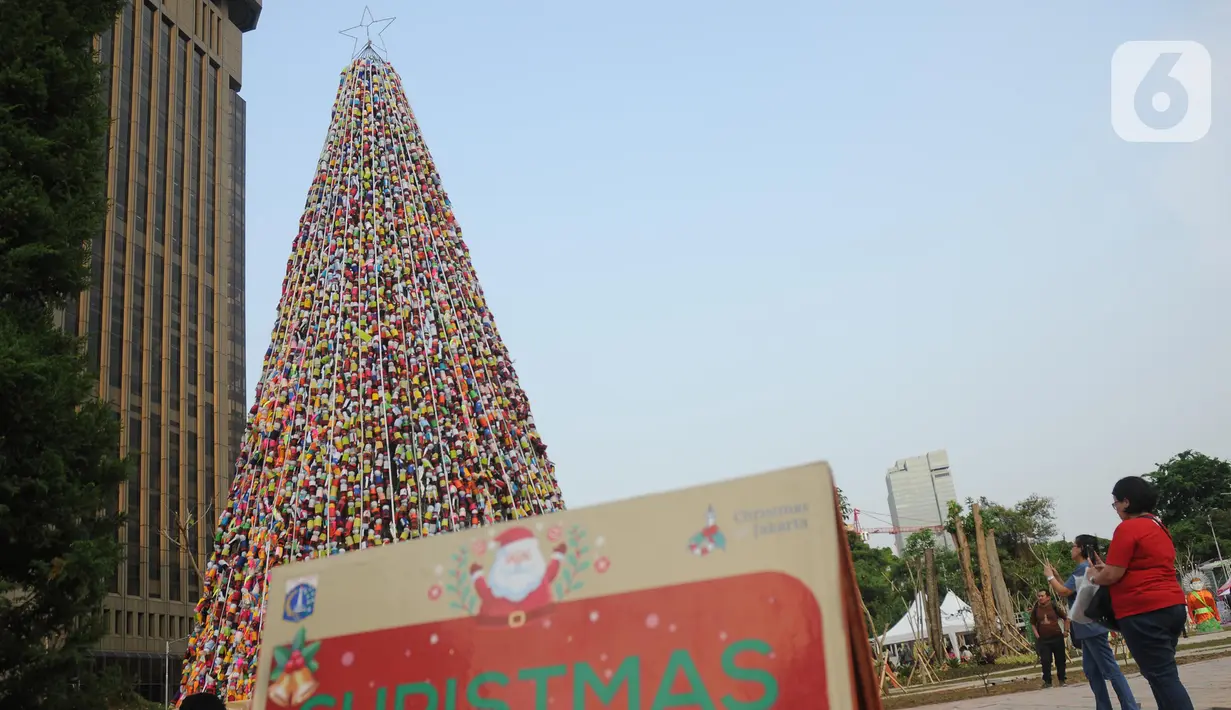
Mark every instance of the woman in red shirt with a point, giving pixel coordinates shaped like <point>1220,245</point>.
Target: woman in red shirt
<point>1145,594</point>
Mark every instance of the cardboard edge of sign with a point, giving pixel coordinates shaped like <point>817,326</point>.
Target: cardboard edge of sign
<point>862,675</point>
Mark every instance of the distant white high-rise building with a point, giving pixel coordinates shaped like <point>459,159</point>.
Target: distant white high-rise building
<point>920,489</point>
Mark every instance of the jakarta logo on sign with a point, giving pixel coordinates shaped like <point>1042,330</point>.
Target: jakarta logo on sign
<point>300,599</point>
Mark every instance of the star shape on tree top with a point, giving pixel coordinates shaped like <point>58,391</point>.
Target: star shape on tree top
<point>369,31</point>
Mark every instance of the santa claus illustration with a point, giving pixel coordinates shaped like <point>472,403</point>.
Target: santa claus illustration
<point>516,588</point>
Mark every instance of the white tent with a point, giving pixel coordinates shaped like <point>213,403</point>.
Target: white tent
<point>955,618</point>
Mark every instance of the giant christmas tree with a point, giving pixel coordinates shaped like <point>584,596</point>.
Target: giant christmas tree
<point>388,407</point>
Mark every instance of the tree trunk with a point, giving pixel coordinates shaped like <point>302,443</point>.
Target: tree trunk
<point>985,566</point>
<point>1000,590</point>
<point>982,627</point>
<point>936,633</point>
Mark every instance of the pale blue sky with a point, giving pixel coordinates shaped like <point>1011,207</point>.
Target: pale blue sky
<point>723,237</point>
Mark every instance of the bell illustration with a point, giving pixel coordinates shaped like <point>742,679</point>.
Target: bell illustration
<point>304,686</point>
<point>280,692</point>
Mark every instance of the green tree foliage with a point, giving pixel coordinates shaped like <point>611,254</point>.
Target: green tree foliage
<point>948,566</point>
<point>844,505</point>
<point>887,582</point>
<point>877,570</point>
<point>1194,494</point>
<point>59,473</point>
<point>1027,522</point>
<point>1024,534</point>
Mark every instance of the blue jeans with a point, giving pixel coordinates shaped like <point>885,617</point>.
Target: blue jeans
<point>1152,638</point>
<point>1099,663</point>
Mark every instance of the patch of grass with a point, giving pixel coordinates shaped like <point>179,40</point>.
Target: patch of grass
<point>1021,659</point>
<point>969,671</point>
<point>894,702</point>
<point>1008,687</point>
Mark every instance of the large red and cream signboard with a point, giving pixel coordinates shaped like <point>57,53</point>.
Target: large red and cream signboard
<point>726,596</point>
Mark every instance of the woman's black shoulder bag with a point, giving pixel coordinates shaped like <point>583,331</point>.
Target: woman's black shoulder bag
<point>1100,605</point>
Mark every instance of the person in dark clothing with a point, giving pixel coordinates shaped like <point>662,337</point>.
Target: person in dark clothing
<point>1049,624</point>
<point>202,701</point>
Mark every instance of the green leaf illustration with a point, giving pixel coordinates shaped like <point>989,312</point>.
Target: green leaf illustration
<point>309,651</point>
<point>459,607</point>
<point>579,585</point>
<point>568,577</point>
<point>300,637</point>
<point>585,565</point>
<point>559,590</point>
<point>314,666</point>
<point>582,550</point>
<point>452,588</point>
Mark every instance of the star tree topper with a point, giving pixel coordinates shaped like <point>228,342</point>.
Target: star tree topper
<point>365,30</point>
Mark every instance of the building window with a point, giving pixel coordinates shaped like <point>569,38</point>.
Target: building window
<point>208,475</point>
<point>175,374</point>
<point>194,165</point>
<point>238,386</point>
<point>124,119</point>
<point>193,342</point>
<point>177,153</point>
<point>173,515</point>
<point>209,371</point>
<point>154,507</point>
<point>94,323</point>
<point>209,141</point>
<point>192,510</point>
<point>133,557</point>
<point>145,91</point>
<point>156,328</point>
<point>136,351</point>
<point>163,127</point>
<point>137,320</point>
<point>106,57</point>
<point>116,291</point>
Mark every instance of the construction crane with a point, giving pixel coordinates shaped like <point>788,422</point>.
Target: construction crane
<point>858,529</point>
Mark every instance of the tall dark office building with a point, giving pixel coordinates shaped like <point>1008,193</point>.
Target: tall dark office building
<point>164,317</point>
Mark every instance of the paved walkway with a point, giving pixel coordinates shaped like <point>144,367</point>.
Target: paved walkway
<point>1208,683</point>
<point>1027,672</point>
